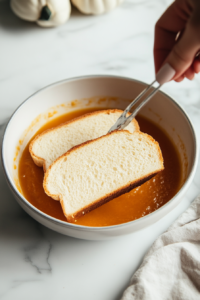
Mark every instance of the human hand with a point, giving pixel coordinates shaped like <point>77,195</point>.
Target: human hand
<point>183,17</point>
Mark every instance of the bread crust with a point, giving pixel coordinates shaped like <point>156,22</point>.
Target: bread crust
<point>107,197</point>
<point>40,162</point>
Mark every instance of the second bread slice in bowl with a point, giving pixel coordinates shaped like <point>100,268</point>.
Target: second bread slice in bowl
<point>53,143</point>
<point>97,171</point>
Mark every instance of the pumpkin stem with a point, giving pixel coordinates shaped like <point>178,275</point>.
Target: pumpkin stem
<point>45,13</point>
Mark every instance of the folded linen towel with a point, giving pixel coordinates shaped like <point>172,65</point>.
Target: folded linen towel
<point>171,269</point>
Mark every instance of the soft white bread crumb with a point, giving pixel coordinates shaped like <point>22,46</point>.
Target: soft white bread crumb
<point>97,171</point>
<point>53,143</point>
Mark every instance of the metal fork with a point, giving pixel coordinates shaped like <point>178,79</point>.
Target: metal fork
<point>165,74</point>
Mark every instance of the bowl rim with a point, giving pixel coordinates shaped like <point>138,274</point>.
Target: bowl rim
<point>93,228</point>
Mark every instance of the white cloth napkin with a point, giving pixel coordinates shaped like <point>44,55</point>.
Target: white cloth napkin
<point>171,269</point>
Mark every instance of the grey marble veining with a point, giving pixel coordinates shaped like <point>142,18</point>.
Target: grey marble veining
<point>35,262</point>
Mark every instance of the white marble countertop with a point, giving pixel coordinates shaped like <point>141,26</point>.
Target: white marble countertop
<point>35,262</point>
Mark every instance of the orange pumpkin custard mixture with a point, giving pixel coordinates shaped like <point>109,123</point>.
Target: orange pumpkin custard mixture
<point>138,203</point>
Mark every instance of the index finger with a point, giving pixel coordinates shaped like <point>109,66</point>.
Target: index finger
<point>171,22</point>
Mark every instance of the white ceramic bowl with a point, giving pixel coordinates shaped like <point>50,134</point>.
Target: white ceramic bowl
<point>93,91</point>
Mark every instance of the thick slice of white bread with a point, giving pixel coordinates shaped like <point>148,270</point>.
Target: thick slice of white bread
<point>97,171</point>
<point>53,143</point>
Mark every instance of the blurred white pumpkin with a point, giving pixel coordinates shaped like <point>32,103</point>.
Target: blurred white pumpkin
<point>46,13</point>
<point>96,6</point>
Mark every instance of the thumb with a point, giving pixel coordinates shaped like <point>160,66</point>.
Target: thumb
<point>184,51</point>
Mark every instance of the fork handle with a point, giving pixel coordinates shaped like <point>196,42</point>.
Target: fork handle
<point>165,74</point>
